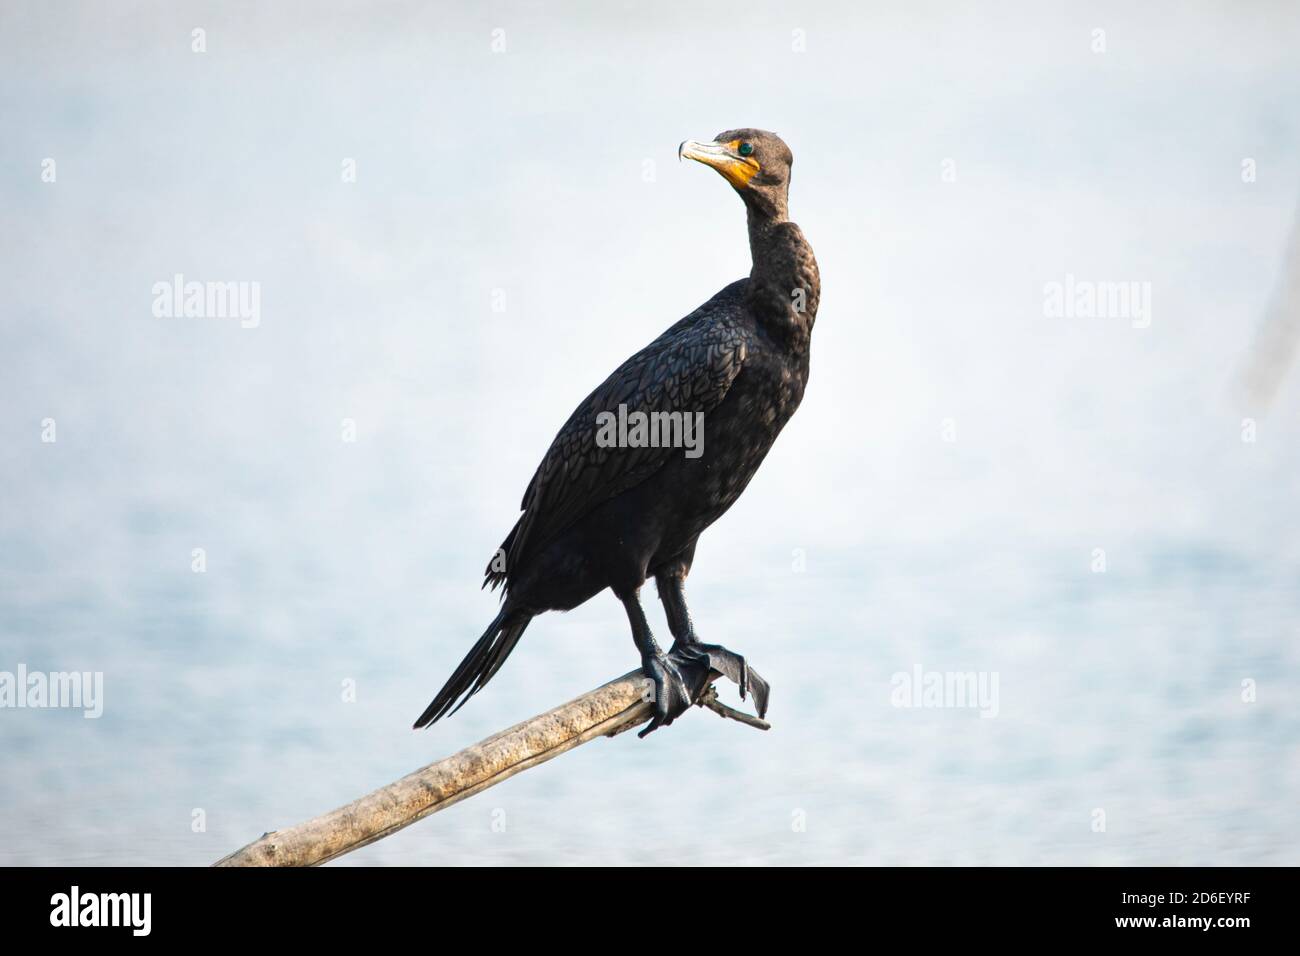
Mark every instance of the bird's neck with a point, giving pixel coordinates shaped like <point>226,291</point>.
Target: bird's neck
<point>784,285</point>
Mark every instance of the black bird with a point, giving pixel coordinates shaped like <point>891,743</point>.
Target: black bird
<point>600,515</point>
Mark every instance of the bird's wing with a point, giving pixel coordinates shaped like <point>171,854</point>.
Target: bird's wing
<point>688,369</point>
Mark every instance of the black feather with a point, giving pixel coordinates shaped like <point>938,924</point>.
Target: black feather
<point>479,666</point>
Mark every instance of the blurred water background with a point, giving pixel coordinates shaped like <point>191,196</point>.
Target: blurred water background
<point>519,225</point>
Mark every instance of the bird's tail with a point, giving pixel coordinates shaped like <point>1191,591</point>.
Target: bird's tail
<point>480,664</point>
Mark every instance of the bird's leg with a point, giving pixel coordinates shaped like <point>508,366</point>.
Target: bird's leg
<point>672,592</point>
<point>688,649</point>
<point>675,687</point>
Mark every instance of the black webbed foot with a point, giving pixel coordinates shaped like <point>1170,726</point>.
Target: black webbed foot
<point>676,683</point>
<point>730,665</point>
<point>680,677</point>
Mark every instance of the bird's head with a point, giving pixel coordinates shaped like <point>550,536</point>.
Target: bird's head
<point>755,162</point>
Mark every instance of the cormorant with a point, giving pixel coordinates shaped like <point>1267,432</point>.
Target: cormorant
<point>598,516</point>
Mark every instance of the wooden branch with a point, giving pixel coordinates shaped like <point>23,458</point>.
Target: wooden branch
<point>606,711</point>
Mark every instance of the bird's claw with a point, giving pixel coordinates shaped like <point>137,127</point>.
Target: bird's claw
<point>680,677</point>
<point>731,666</point>
<point>674,685</point>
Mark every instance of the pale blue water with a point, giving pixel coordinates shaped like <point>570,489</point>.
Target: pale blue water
<point>1115,693</point>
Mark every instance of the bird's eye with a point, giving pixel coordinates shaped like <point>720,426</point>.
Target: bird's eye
<point>746,149</point>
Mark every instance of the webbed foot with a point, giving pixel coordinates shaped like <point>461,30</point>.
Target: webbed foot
<point>675,684</point>
<point>730,665</point>
<point>680,677</point>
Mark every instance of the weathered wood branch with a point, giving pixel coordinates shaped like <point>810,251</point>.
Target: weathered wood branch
<point>608,710</point>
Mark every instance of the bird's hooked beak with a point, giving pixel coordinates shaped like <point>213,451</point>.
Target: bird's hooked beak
<point>736,169</point>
